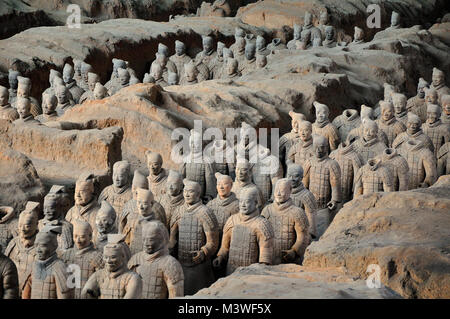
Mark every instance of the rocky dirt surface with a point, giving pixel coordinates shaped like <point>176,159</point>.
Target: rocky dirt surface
<point>291,281</point>
<point>405,233</point>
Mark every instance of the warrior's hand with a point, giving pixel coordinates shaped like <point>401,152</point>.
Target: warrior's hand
<point>288,255</point>
<point>198,257</point>
<point>217,263</point>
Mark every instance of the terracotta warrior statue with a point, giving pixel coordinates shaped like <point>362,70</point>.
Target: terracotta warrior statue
<point>374,177</point>
<point>445,117</point>
<point>275,45</point>
<point>123,80</point>
<point>86,206</point>
<point>261,61</point>
<point>350,162</point>
<point>413,132</point>
<point>265,172</point>
<point>395,21</point>
<point>358,132</point>
<point>261,48</point>
<point>438,83</point>
<point>358,36</point>
<point>119,193</point>
<point>157,72</point>
<point>117,64</point>
<point>292,45</point>
<point>330,37</point>
<point>49,104</point>
<point>208,55</point>
<point>105,224</point>
<point>85,69</point>
<point>369,145</point>
<point>71,84</point>
<point>222,154</point>
<point>8,226</point>
<point>346,122</point>
<point>190,74</point>
<point>52,78</point>
<point>21,249</point>
<point>172,78</point>
<point>232,70</point>
<point>54,214</point>
<point>172,199</point>
<point>116,280</point>
<point>302,197</point>
<point>438,132</point>
<point>83,254</point>
<point>239,51</point>
<point>238,35</point>
<point>77,72</point>
<point>309,26</point>
<point>421,163</point>
<point>100,92</point>
<point>180,58</point>
<point>24,91</point>
<point>302,149</point>
<point>250,58</point>
<point>431,96</point>
<point>443,164</point>
<point>23,107</point>
<point>388,122</point>
<point>146,213</point>
<point>387,96</point>
<point>226,202</point>
<point>196,232</point>
<point>290,138</point>
<point>7,112</point>
<point>13,84</point>
<point>64,101</point>
<point>199,168</point>
<point>248,238</point>
<point>244,181</point>
<point>162,275</point>
<point>290,225</point>
<point>399,167</point>
<point>158,175</point>
<point>322,126</point>
<point>399,101</point>
<point>417,104</point>
<point>49,276</point>
<point>323,178</point>
<point>9,279</point>
<point>93,79</point>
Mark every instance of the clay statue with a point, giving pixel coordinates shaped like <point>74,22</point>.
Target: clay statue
<point>77,72</point>
<point>158,175</point>
<point>148,78</point>
<point>180,58</point>
<point>290,138</point>
<point>239,51</point>
<point>350,162</point>
<point>250,59</point>
<point>305,40</point>
<point>49,104</point>
<point>330,37</point>
<point>347,121</point>
<point>239,34</point>
<point>198,168</point>
<point>9,279</point>
<point>248,237</point>
<point>157,73</point>
<point>302,149</point>
<point>51,79</point>
<point>358,36</point>
<point>438,83</point>
<point>261,61</point>
<point>165,62</point>
<point>302,197</point>
<point>105,223</point>
<point>421,163</point>
<point>122,81</point>
<point>71,84</point>
<point>322,176</point>
<point>291,45</point>
<point>8,226</point>
<point>21,249</point>
<point>100,92</point>
<point>162,275</point>
<point>247,146</point>
<point>53,214</point>
<point>431,96</point>
<point>369,145</point>
<point>86,206</point>
<point>309,27</point>
<point>358,132</point>
<point>7,112</point>
<point>24,90</point>
<point>438,132</point>
<point>84,255</point>
<point>226,202</point>
<point>244,181</point>
<point>261,48</point>
<point>13,84</point>
<point>196,232</point>
<point>265,172</point>
<point>172,198</point>
<point>117,64</point>
<point>232,70</point>
<point>116,280</point>
<point>388,122</point>
<point>323,23</point>
<point>119,192</point>
<point>23,107</point>
<point>399,101</point>
<point>49,276</point>
<point>322,125</point>
<point>395,21</point>
<point>387,96</point>
<point>190,74</point>
<point>443,164</point>
<point>417,104</point>
<point>85,69</point>
<point>208,55</point>
<point>413,132</point>
<point>93,79</point>
<point>64,102</point>
<point>275,45</point>
<point>374,177</point>
<point>290,225</point>
<point>445,117</point>
<point>399,167</point>
<point>172,78</point>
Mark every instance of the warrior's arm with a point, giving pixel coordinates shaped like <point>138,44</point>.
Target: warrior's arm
<point>134,288</point>
<point>91,289</point>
